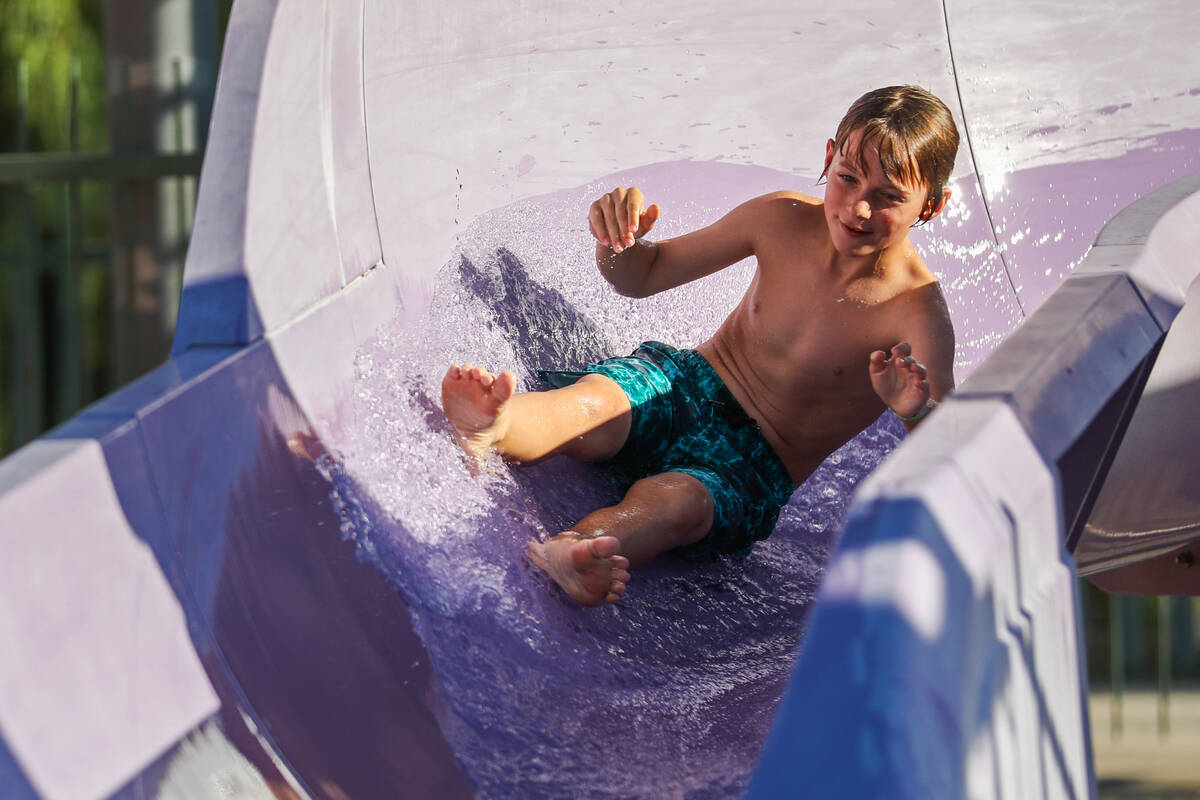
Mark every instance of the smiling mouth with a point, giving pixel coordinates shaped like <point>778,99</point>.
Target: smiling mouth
<point>852,231</point>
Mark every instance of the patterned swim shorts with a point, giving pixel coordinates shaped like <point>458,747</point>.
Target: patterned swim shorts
<point>685,420</point>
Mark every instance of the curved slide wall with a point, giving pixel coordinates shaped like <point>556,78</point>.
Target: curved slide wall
<point>172,574</point>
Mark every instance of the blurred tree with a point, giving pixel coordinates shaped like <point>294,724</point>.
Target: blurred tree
<point>45,47</point>
<point>41,43</point>
<point>49,36</point>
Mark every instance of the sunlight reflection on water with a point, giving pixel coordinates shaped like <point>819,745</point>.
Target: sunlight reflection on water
<point>669,693</point>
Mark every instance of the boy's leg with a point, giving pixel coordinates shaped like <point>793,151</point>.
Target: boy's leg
<point>588,420</point>
<point>658,513</point>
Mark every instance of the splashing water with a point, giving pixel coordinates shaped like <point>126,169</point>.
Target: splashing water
<point>671,692</point>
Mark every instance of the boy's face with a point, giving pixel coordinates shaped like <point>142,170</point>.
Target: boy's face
<point>866,211</point>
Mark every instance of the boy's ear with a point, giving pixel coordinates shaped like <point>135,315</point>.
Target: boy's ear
<point>935,208</point>
<point>828,155</point>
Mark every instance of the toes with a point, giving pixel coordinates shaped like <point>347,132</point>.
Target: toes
<point>536,552</point>
<point>604,546</point>
<point>463,372</point>
<point>585,568</point>
<point>487,380</point>
<point>504,385</point>
<point>614,592</point>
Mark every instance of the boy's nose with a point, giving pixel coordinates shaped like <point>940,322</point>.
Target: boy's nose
<point>862,209</point>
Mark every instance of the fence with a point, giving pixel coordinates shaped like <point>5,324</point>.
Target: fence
<point>66,290</point>
<point>1140,641</point>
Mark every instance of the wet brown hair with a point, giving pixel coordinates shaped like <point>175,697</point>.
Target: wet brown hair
<point>914,133</point>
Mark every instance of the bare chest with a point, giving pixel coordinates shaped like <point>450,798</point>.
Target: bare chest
<point>817,338</point>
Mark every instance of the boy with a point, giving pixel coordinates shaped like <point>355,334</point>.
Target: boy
<point>821,344</point>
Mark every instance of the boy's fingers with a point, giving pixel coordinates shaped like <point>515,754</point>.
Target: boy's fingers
<point>620,216</point>
<point>647,220</point>
<point>596,224</point>
<point>634,202</point>
<point>615,209</point>
<point>878,361</point>
<point>622,213</point>
<point>612,226</point>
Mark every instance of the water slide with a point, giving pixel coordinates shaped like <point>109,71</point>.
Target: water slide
<point>263,569</point>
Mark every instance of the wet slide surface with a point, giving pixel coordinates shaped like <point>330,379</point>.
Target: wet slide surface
<point>411,194</point>
<point>677,685</point>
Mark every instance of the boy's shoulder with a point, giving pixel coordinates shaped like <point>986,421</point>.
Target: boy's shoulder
<point>925,307</point>
<point>793,209</point>
<point>788,198</point>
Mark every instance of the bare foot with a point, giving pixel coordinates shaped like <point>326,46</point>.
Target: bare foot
<point>474,400</point>
<point>588,569</point>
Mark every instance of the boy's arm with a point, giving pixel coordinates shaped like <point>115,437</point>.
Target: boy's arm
<point>637,267</point>
<point>918,372</point>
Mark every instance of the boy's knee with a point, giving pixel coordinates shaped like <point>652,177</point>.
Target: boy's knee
<point>681,498</point>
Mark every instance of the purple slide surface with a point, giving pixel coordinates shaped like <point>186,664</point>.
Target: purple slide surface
<point>264,567</point>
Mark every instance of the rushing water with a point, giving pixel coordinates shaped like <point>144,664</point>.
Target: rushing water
<point>671,692</point>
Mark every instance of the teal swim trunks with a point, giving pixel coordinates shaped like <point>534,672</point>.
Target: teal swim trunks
<point>685,420</point>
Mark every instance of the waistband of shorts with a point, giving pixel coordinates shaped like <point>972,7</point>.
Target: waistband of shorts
<point>771,467</point>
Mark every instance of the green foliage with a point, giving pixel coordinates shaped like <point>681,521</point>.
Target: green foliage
<point>46,46</point>
<point>41,43</point>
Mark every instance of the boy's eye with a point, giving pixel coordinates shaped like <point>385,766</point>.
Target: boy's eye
<point>846,178</point>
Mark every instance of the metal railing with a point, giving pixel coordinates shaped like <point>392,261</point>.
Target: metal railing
<point>46,323</point>
<point>1129,646</point>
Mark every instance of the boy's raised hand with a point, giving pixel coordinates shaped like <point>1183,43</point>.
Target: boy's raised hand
<point>899,380</point>
<point>620,217</point>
